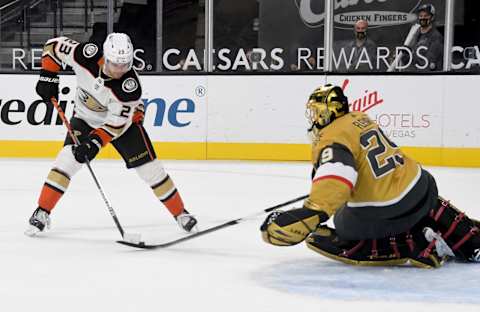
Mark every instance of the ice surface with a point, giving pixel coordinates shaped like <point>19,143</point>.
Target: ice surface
<point>77,266</point>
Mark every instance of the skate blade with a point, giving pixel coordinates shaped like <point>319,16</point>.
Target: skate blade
<point>32,231</point>
<point>194,229</point>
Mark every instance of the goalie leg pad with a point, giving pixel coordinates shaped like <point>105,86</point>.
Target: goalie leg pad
<point>461,233</point>
<point>390,251</point>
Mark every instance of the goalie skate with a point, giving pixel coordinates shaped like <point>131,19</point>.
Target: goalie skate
<point>39,220</point>
<point>476,256</point>
<point>440,245</point>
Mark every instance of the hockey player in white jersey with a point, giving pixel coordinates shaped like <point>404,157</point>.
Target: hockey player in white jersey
<point>108,109</point>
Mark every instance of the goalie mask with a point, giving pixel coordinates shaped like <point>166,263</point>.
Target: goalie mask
<point>325,104</point>
<point>118,53</point>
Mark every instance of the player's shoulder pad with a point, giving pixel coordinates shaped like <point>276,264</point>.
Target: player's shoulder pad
<point>127,88</point>
<point>87,55</point>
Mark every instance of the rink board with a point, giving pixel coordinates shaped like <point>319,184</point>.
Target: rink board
<point>261,117</point>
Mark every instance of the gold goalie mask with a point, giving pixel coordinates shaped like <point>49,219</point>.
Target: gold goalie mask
<point>325,104</point>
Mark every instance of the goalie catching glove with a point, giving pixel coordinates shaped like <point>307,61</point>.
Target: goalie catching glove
<point>288,228</point>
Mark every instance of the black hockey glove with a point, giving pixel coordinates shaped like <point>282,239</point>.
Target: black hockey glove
<point>87,149</point>
<point>47,85</point>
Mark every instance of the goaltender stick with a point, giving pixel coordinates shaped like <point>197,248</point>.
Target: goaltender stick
<point>385,206</point>
<point>108,109</point>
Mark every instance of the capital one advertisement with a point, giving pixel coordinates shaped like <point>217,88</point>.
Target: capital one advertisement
<point>423,111</point>
<point>175,109</point>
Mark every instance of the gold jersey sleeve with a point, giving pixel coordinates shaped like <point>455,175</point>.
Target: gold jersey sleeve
<point>379,175</point>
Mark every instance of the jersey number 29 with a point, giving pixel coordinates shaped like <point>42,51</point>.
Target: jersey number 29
<point>376,148</point>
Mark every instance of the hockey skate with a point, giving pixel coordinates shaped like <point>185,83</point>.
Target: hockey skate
<point>441,246</point>
<point>186,221</point>
<point>476,256</point>
<point>39,220</point>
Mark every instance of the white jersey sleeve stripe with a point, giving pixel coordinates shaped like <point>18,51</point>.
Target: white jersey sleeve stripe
<point>339,171</point>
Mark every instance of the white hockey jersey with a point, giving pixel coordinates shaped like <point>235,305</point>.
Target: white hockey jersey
<point>101,101</point>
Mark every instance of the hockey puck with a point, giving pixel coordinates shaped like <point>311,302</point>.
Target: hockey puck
<point>132,238</point>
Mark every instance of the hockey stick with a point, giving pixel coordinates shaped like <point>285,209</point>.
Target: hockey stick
<point>212,229</point>
<point>398,59</point>
<point>133,237</point>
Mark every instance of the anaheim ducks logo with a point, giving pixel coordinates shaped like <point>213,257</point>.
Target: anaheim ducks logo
<point>90,50</point>
<point>90,102</point>
<point>129,85</point>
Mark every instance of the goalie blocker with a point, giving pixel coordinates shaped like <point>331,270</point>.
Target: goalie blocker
<point>385,207</point>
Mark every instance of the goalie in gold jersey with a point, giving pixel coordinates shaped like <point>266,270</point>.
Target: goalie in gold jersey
<point>385,207</point>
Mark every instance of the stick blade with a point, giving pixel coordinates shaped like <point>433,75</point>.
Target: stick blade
<point>139,244</point>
